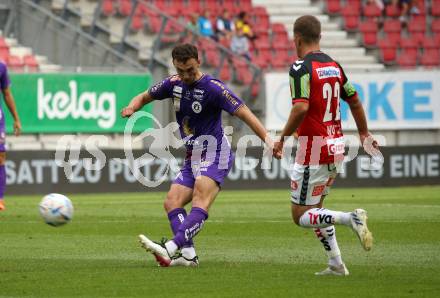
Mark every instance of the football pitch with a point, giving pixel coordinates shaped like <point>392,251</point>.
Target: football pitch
<point>248,248</point>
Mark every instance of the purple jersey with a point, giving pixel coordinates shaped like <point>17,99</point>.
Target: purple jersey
<point>198,106</point>
<point>4,78</point>
<point>4,83</point>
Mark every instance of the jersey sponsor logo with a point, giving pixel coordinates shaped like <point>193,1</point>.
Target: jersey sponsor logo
<point>328,72</point>
<point>199,91</point>
<point>229,97</point>
<point>336,146</point>
<point>218,84</point>
<point>320,218</point>
<point>196,107</point>
<point>318,190</point>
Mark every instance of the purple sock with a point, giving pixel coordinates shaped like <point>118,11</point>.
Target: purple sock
<point>176,217</point>
<point>2,181</point>
<point>190,226</point>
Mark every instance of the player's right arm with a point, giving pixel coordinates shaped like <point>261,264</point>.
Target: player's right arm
<point>137,103</point>
<point>299,78</point>
<point>159,91</point>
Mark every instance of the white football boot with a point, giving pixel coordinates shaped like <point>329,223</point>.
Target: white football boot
<point>180,260</point>
<point>157,249</point>
<point>359,226</point>
<point>331,270</point>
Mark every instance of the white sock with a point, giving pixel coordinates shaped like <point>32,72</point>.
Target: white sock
<point>327,236</point>
<point>171,247</point>
<point>189,252</point>
<point>322,218</point>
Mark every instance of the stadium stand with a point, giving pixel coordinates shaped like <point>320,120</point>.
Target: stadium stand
<point>408,42</point>
<point>271,22</point>
<point>22,59</point>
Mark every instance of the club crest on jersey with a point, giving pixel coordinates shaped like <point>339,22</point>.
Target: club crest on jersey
<point>196,107</point>
<point>328,72</point>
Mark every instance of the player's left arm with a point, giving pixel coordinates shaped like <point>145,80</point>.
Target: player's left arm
<point>246,115</point>
<point>10,103</point>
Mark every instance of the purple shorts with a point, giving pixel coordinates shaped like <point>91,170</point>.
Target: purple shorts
<point>216,170</point>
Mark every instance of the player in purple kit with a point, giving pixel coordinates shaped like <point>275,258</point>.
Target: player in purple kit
<point>7,95</point>
<point>199,100</point>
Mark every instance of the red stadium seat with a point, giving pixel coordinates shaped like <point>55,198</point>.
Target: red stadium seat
<point>262,61</point>
<point>435,9</point>
<point>409,46</point>
<point>125,7</point>
<point>137,23</point>
<point>435,26</point>
<point>417,25</point>
<point>212,58</point>
<point>388,55</point>
<point>333,6</point>
<point>214,7</point>
<point>406,60</point>
<point>351,18</point>
<point>430,43</point>
<point>154,24</point>
<point>238,62</point>
<point>107,8</point>
<point>31,63</point>
<point>278,28</point>
<point>194,6</point>
<point>391,40</point>
<point>392,11</point>
<point>371,11</point>
<point>430,58</point>
<point>225,72</point>
<point>15,63</point>
<point>351,23</point>
<point>369,30</point>
<point>391,26</point>
<point>244,75</point>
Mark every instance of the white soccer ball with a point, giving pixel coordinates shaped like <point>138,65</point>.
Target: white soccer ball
<point>56,209</point>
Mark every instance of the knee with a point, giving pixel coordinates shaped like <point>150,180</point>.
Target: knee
<point>2,158</point>
<point>171,202</point>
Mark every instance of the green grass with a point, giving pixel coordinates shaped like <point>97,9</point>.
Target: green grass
<point>249,247</point>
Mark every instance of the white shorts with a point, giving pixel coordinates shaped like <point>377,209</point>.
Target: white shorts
<point>310,182</point>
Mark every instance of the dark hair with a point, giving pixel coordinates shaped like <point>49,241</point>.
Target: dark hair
<point>184,52</point>
<point>309,28</point>
<point>242,15</point>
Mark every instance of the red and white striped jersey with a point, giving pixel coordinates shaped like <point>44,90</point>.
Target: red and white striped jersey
<point>320,81</point>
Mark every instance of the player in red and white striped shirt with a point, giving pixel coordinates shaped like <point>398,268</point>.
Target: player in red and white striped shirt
<point>317,83</point>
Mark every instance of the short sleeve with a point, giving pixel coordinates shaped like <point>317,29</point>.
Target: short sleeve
<point>164,89</point>
<point>347,91</point>
<point>225,98</point>
<point>299,79</point>
<point>4,77</point>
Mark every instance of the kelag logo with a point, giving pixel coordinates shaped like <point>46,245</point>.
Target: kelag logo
<point>85,105</point>
<point>76,102</point>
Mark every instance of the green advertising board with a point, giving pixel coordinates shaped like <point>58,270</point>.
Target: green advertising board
<point>75,103</point>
